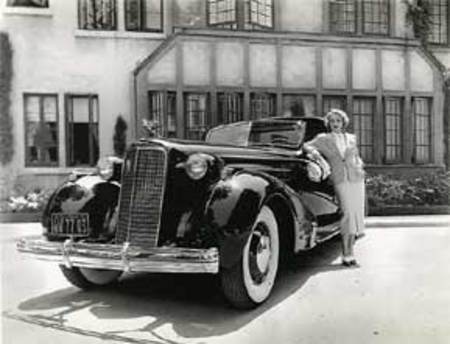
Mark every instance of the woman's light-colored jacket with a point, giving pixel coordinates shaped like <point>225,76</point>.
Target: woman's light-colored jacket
<point>349,167</point>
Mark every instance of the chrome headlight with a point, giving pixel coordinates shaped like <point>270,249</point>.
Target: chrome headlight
<point>196,165</point>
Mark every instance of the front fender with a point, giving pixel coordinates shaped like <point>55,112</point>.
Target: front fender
<point>89,194</point>
<point>232,209</point>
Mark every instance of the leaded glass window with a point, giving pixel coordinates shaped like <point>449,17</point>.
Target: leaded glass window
<point>363,114</point>
<point>97,14</point>
<point>258,14</point>
<point>299,105</point>
<point>363,16</point>
<point>222,13</point>
<point>82,130</point>
<point>439,22</point>
<point>422,139</point>
<point>262,105</point>
<point>229,106</point>
<point>162,111</point>
<point>240,14</point>
<point>393,127</point>
<point>196,115</point>
<point>333,102</point>
<point>376,17</point>
<point>143,15</point>
<point>343,16</point>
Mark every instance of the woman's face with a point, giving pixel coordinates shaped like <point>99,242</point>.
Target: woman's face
<point>335,122</point>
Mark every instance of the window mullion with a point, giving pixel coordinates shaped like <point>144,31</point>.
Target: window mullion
<point>40,125</point>
<point>240,14</point>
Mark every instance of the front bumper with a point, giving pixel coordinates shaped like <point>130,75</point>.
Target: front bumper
<point>122,257</point>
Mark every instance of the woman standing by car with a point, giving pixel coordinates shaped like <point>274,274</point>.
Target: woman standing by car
<point>347,175</point>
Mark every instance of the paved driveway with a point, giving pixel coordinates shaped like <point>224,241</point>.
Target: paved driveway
<point>399,294</point>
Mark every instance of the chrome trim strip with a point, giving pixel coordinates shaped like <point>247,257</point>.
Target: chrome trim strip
<point>122,257</point>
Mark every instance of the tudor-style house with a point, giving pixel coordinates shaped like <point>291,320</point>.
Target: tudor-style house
<point>192,64</point>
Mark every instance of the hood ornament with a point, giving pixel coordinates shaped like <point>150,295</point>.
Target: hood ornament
<point>152,127</point>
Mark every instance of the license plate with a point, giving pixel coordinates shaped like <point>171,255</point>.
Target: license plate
<point>70,224</point>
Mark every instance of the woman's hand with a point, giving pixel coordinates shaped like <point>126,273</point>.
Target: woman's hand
<point>319,161</point>
<point>315,154</point>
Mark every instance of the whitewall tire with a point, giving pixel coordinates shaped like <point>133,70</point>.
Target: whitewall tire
<point>249,283</point>
<point>87,278</point>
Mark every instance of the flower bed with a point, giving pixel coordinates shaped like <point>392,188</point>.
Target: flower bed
<point>31,202</point>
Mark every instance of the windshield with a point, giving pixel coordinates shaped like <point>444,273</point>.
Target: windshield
<point>280,134</point>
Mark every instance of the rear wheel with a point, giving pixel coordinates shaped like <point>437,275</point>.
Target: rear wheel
<point>86,278</point>
<point>249,283</point>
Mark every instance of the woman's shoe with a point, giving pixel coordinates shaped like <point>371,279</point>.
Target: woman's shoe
<point>360,235</point>
<point>346,261</point>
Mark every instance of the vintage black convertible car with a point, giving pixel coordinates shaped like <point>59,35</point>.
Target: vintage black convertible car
<point>235,205</point>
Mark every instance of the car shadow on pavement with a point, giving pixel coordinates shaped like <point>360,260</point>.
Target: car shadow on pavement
<point>191,304</point>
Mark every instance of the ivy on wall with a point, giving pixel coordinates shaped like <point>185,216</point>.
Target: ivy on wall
<point>418,14</point>
<point>6,125</point>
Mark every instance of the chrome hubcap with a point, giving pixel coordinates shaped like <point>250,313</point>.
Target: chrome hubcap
<point>259,253</point>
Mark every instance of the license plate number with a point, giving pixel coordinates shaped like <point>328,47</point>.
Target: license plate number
<point>70,224</point>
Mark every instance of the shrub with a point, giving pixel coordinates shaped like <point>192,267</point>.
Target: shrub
<point>120,137</point>
<point>432,189</point>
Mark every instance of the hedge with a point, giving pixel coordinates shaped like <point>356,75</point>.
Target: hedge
<point>431,189</point>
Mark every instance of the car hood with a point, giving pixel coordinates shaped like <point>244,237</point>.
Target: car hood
<point>225,152</point>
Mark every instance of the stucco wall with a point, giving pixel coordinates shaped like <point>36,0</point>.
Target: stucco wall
<point>364,69</point>
<point>196,63</point>
<point>334,68</point>
<point>52,56</point>
<point>393,71</point>
<point>230,64</point>
<point>421,74</point>
<point>263,65</point>
<point>295,74</point>
<point>163,70</point>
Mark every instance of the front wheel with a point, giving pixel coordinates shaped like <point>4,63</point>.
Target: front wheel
<point>86,278</point>
<point>249,283</point>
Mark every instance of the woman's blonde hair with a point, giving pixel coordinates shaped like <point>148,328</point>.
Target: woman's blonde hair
<point>340,113</point>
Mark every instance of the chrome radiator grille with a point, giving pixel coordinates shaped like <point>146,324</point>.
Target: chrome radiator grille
<point>141,197</point>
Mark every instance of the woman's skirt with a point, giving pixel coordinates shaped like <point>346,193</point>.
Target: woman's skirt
<point>351,196</point>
